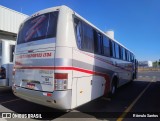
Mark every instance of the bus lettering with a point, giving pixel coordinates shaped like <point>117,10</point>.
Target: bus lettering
<point>35,55</point>
<point>47,54</point>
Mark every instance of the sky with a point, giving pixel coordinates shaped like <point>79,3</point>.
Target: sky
<point>136,23</point>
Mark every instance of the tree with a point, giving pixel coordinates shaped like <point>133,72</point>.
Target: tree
<point>156,63</point>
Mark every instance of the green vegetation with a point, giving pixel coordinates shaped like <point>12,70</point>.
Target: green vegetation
<point>156,63</point>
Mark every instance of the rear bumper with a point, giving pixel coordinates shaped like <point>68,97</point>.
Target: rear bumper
<point>59,99</point>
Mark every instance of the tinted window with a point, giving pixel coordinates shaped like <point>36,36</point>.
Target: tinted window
<point>124,54</point>
<point>39,27</point>
<point>132,57</point>
<point>113,49</point>
<point>117,50</point>
<point>97,42</point>
<point>78,29</point>
<point>88,41</point>
<point>120,52</point>
<point>106,46</point>
<point>130,54</point>
<point>127,55</point>
<point>84,35</point>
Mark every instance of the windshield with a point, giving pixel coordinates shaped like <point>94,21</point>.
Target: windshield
<point>39,27</point>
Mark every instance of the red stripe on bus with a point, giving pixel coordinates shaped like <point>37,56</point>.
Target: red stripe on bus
<point>106,76</point>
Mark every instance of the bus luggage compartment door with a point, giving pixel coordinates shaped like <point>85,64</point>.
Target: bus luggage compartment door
<point>83,90</point>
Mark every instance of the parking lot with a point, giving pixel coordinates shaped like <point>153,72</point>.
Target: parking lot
<point>142,96</point>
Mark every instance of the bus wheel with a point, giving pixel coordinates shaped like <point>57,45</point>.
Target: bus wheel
<point>113,88</point>
<point>132,78</point>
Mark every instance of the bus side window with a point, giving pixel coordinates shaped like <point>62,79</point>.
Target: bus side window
<point>133,58</point>
<point>97,42</point>
<point>84,36</point>
<point>117,51</point>
<point>129,56</point>
<point>120,53</point>
<point>88,38</point>
<point>78,28</point>
<point>106,46</point>
<point>124,54</point>
<point>112,49</point>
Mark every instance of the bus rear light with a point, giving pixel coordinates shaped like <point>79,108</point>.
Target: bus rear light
<point>60,82</point>
<point>49,94</point>
<point>61,76</point>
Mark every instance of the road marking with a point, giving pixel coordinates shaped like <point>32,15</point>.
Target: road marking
<point>133,103</point>
<point>9,101</point>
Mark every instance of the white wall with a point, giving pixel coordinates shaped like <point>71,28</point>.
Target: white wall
<point>10,20</point>
<point>150,64</point>
<point>5,58</point>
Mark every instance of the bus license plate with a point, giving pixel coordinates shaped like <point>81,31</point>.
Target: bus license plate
<point>30,85</point>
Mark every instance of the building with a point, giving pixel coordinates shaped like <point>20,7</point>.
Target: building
<point>10,21</point>
<point>145,64</point>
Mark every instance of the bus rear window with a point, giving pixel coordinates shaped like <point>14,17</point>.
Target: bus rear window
<point>39,27</point>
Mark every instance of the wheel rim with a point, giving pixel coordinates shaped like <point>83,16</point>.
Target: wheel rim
<point>113,89</point>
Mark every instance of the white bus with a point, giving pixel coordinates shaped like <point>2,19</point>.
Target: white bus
<point>6,62</point>
<point>63,61</point>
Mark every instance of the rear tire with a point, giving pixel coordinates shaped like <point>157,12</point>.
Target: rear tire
<point>132,78</point>
<point>113,88</point>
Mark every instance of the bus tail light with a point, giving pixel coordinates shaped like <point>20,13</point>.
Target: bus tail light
<point>61,81</point>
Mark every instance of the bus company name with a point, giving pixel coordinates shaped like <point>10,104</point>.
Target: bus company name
<point>36,55</point>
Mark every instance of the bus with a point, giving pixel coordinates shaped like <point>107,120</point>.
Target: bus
<point>6,61</point>
<point>63,61</point>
